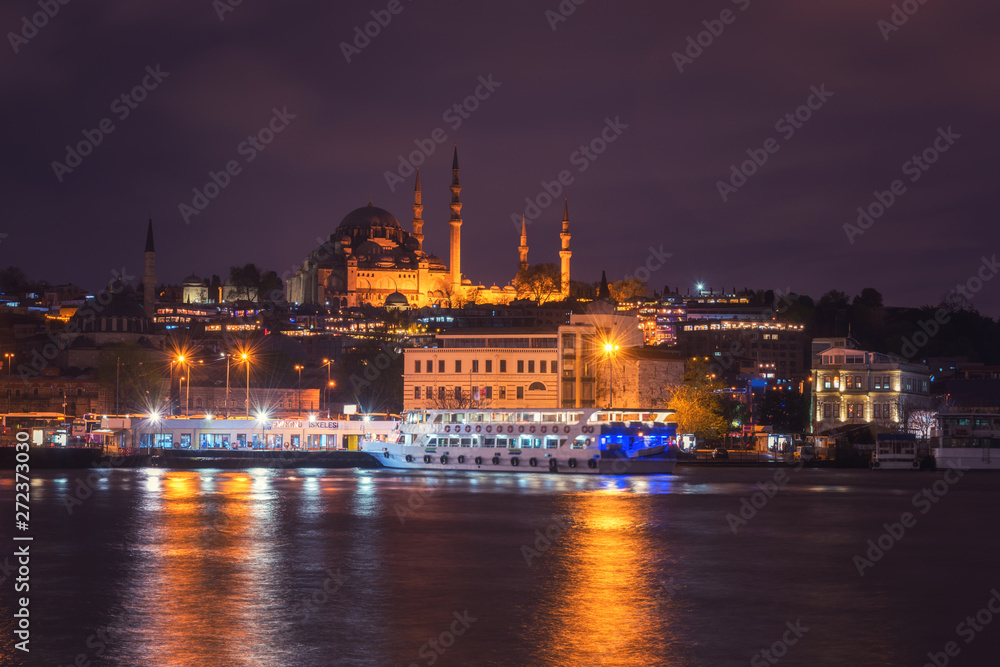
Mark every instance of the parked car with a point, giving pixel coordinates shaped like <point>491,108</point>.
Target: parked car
<point>720,453</point>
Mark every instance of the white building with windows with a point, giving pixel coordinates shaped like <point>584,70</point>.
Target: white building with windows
<point>857,386</point>
<point>499,368</point>
<point>596,360</point>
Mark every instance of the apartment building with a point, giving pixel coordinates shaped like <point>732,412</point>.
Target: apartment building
<point>487,367</point>
<point>857,386</point>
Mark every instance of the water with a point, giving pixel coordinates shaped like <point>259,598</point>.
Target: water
<point>344,567</point>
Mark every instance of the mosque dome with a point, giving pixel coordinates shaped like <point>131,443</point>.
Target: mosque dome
<point>368,217</point>
<point>115,310</point>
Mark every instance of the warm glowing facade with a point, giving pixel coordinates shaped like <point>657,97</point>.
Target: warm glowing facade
<point>498,368</point>
<point>370,257</point>
<point>855,386</point>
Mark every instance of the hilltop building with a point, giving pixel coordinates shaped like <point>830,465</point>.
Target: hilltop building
<point>370,257</point>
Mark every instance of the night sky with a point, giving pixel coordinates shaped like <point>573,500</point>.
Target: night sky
<point>656,184</point>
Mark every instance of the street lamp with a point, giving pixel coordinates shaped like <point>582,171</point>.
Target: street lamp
<point>245,358</point>
<point>327,363</point>
<point>9,358</point>
<point>329,385</point>
<point>299,367</point>
<point>610,349</point>
<point>227,355</point>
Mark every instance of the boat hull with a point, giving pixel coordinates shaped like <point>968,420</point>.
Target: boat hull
<point>966,458</point>
<point>575,462</point>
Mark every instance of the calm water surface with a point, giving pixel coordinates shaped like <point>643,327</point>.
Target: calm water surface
<point>344,567</point>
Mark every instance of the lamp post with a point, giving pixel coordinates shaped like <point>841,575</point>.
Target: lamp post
<point>611,349</point>
<point>226,355</point>
<point>245,358</point>
<point>327,363</point>
<point>180,390</point>
<point>329,385</point>
<point>9,357</point>
<point>298,367</point>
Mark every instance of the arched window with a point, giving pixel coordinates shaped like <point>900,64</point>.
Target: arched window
<point>536,386</point>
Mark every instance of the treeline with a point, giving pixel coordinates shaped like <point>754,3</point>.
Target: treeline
<point>953,328</point>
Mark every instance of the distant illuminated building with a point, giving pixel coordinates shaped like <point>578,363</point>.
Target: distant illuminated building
<point>856,386</point>
<point>370,257</point>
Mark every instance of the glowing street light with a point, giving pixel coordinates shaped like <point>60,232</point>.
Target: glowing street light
<point>245,358</point>
<point>299,368</point>
<point>611,349</point>
<point>329,383</point>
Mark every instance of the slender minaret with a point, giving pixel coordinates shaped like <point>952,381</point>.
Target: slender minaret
<point>456,225</point>
<point>149,276</point>
<point>522,249</point>
<point>564,252</point>
<point>418,212</point>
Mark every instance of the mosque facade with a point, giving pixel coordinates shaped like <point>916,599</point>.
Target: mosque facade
<point>371,259</point>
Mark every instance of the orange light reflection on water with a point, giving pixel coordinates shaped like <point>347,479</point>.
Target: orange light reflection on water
<point>198,579</point>
<point>607,609</point>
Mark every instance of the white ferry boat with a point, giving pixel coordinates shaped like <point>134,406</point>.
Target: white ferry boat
<point>576,440</point>
<point>895,451</point>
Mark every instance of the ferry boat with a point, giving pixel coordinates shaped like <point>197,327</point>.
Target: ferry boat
<point>572,440</point>
<point>895,451</point>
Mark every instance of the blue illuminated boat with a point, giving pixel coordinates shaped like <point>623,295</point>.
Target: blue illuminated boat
<point>570,440</point>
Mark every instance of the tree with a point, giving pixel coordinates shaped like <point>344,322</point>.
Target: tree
<point>699,408</point>
<point>785,411</point>
<point>271,287</point>
<point>869,297</point>
<point>133,378</point>
<point>628,289</point>
<point>372,373</point>
<point>538,282</point>
<point>14,281</point>
<point>579,289</point>
<point>244,281</point>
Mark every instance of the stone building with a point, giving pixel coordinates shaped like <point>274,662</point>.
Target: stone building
<point>370,257</point>
<point>857,386</point>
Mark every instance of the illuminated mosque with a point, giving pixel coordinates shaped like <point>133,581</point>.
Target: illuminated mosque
<point>371,259</point>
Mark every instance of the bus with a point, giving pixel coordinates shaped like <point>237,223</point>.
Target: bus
<point>47,429</point>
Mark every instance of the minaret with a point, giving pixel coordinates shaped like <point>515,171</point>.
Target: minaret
<point>418,212</point>
<point>149,276</point>
<point>522,249</point>
<point>456,225</point>
<point>564,252</point>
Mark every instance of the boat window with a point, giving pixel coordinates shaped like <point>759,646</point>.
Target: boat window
<point>432,440</point>
<point>489,442</point>
<point>466,442</point>
<point>437,419</point>
<point>550,417</point>
<point>501,442</point>
<point>579,442</point>
<point>551,443</point>
<point>453,442</point>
